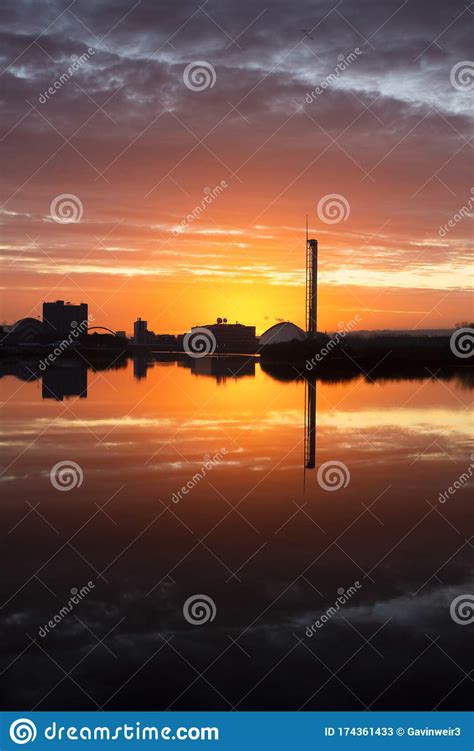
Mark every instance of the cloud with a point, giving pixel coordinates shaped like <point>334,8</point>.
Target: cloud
<point>125,134</point>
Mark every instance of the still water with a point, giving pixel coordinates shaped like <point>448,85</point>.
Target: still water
<point>190,480</point>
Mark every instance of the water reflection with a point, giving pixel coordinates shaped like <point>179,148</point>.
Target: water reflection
<point>220,368</point>
<point>270,553</point>
<point>310,425</point>
<point>63,382</point>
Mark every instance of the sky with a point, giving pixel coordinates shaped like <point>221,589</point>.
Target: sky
<point>159,160</point>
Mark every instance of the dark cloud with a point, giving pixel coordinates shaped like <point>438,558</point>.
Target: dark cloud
<point>124,132</point>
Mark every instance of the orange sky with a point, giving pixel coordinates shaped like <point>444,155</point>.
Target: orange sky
<point>388,138</point>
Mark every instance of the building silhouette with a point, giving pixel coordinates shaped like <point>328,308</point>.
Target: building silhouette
<point>234,338</point>
<point>140,330</point>
<point>284,331</point>
<point>59,318</point>
<point>24,331</point>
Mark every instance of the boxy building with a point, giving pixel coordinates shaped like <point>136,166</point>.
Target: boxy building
<point>234,338</point>
<point>140,331</point>
<point>59,318</point>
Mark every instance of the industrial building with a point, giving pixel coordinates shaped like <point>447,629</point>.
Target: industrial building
<point>234,338</point>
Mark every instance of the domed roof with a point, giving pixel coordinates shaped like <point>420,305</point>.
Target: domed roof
<point>282,332</point>
<point>22,322</point>
<point>26,329</point>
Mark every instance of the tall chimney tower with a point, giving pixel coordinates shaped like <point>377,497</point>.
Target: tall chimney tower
<point>311,287</point>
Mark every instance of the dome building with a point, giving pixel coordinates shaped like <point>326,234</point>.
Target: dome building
<point>25,331</point>
<point>282,332</point>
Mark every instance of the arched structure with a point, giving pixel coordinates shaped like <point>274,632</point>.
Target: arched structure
<point>103,328</point>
